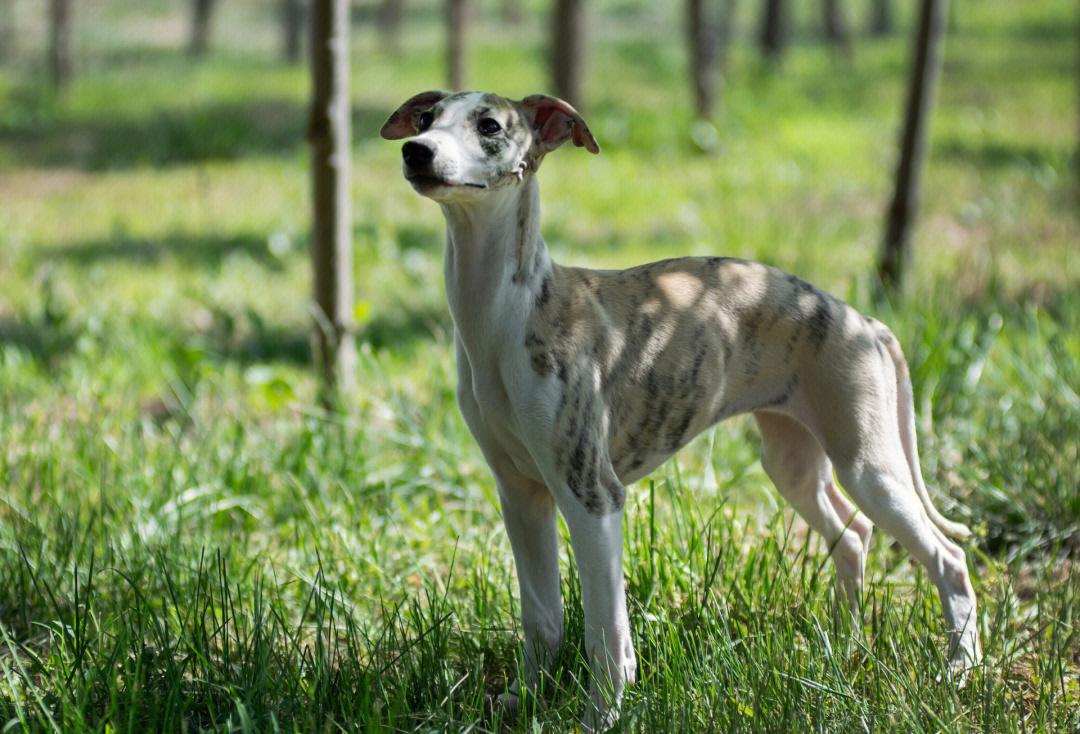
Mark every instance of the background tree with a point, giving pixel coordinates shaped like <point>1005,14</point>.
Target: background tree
<point>391,14</point>
<point>292,26</point>
<point>881,18</point>
<point>568,51</point>
<point>457,17</point>
<point>513,12</point>
<point>709,33</point>
<point>836,27</point>
<point>61,54</point>
<point>925,69</point>
<point>331,232</point>
<point>7,29</point>
<point>200,26</point>
<point>773,30</point>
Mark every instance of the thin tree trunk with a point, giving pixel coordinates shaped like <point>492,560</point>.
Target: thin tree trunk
<point>7,29</point>
<point>513,12</point>
<point>200,26</point>
<point>881,23</point>
<point>568,51</point>
<point>929,40</point>
<point>331,241</point>
<point>727,28</point>
<point>60,51</point>
<point>292,26</point>
<point>391,14</point>
<point>457,20</point>
<point>773,30</point>
<point>836,31</point>
<point>704,40</point>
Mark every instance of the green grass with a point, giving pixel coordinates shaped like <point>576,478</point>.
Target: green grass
<point>187,543</point>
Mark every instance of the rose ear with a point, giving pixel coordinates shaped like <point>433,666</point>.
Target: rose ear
<point>402,123</point>
<point>555,122</point>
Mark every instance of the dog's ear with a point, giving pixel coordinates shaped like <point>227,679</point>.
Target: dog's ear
<point>402,124</point>
<point>555,122</point>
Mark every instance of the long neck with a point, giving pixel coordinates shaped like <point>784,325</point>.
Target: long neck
<point>495,258</point>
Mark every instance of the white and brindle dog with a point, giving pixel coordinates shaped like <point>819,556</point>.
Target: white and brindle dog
<point>578,382</point>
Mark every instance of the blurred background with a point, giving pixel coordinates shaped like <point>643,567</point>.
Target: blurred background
<point>159,393</point>
<point>154,167</point>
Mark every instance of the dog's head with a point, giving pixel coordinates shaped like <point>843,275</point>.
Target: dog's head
<point>465,143</point>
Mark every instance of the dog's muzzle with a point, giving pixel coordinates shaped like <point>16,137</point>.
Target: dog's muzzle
<point>417,156</point>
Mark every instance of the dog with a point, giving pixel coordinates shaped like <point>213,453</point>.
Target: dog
<point>576,383</point>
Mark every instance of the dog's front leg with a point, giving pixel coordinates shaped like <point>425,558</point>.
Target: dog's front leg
<point>597,546</point>
<point>529,514</point>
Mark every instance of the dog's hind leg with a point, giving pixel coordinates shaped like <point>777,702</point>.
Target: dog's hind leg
<point>802,473</point>
<point>865,440</point>
<point>885,492</point>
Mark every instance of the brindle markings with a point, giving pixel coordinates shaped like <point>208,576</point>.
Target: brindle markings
<point>783,396</point>
<point>523,238</point>
<point>545,292</point>
<point>654,411</point>
<point>820,322</point>
<point>752,346</point>
<point>691,392</point>
<point>545,337</point>
<point>580,455</point>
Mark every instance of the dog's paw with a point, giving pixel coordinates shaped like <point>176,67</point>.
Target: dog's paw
<point>629,663</point>
<point>964,658</point>
<point>502,707</point>
<point>599,720</point>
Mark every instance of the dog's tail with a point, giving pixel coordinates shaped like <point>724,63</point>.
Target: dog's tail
<point>905,409</point>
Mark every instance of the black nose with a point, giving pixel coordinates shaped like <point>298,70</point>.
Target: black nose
<point>417,155</point>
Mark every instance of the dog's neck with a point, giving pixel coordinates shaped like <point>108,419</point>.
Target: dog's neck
<point>495,258</point>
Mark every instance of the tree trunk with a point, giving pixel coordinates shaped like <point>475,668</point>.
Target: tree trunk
<point>7,29</point>
<point>200,26</point>
<point>60,51</point>
<point>457,20</point>
<point>513,12</point>
<point>568,51</point>
<point>881,18</point>
<point>773,30</point>
<point>929,40</point>
<point>331,236</point>
<point>835,24</point>
<point>704,40</point>
<point>292,26</point>
<point>391,14</point>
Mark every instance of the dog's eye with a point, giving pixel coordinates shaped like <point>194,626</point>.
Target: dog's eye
<point>488,126</point>
<point>424,122</point>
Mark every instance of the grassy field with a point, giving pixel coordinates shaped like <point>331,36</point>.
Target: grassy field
<point>188,543</point>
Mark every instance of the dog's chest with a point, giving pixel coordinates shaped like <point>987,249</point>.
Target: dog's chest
<point>494,403</point>
<point>496,418</point>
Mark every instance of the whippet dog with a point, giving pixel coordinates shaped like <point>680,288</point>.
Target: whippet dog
<point>576,383</point>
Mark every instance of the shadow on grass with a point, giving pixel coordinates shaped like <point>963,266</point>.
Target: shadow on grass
<point>209,250</point>
<point>191,250</point>
<point>215,131</point>
<point>44,340</point>
<point>48,339</point>
<point>996,154</point>
<point>398,330</point>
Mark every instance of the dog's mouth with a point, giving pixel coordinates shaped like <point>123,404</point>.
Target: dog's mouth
<point>429,181</point>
